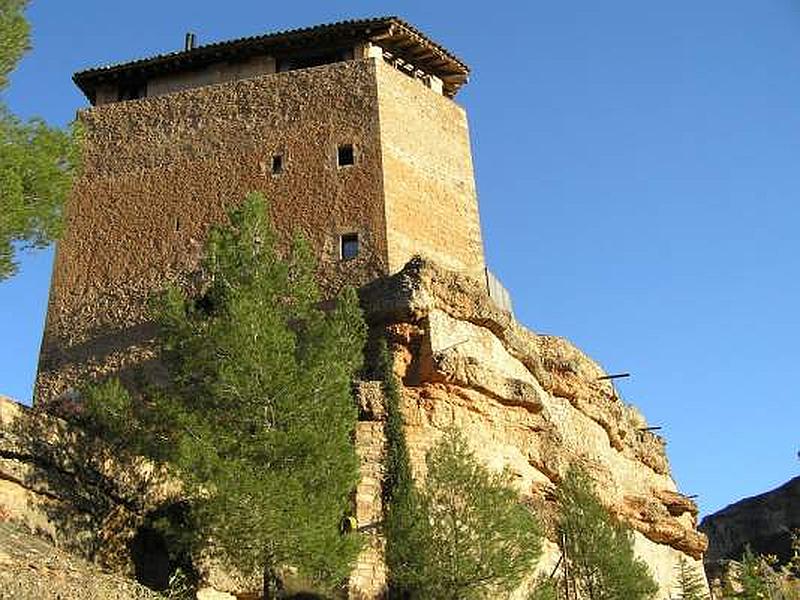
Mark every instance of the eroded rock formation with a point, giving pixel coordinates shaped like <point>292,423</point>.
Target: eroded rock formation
<point>90,499</point>
<point>74,490</point>
<point>531,403</point>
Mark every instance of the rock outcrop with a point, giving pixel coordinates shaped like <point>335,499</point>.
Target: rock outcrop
<point>73,490</point>
<point>83,496</point>
<point>534,404</point>
<point>764,522</point>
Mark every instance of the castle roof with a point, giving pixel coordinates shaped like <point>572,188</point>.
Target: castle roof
<point>391,33</point>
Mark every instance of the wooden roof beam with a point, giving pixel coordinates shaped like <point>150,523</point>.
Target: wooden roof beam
<point>421,54</point>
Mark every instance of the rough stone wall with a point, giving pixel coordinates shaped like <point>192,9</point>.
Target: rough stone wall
<point>368,579</point>
<point>160,171</point>
<point>530,403</point>
<point>431,202</point>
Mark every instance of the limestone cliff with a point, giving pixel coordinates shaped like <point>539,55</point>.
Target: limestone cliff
<point>532,403</point>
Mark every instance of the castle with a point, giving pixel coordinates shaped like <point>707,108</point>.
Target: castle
<point>349,130</point>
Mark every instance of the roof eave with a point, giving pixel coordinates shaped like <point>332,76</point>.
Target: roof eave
<point>452,70</point>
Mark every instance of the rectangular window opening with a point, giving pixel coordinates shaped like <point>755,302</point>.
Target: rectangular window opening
<point>349,246</point>
<point>346,155</point>
<point>277,164</point>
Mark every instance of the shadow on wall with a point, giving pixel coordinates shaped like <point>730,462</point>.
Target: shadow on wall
<point>128,352</point>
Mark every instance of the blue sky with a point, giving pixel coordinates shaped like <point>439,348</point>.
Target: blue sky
<point>637,171</point>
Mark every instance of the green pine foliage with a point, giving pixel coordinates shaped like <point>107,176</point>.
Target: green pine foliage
<point>37,162</point>
<point>755,579</point>
<point>463,535</point>
<point>544,588</point>
<point>474,538</point>
<point>691,584</point>
<point>758,577</point>
<point>15,35</point>
<point>398,481</point>
<point>790,572</point>
<point>598,549</point>
<point>258,417</point>
<point>404,527</point>
<point>793,567</point>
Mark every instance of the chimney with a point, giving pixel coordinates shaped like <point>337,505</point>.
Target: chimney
<point>191,42</point>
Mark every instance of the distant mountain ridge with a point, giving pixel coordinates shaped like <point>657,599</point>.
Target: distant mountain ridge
<point>764,522</point>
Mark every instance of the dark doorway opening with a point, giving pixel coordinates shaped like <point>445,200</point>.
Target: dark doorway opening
<point>162,547</point>
<point>151,558</point>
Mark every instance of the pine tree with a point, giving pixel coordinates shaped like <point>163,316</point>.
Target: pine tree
<point>474,537</point>
<point>691,585</point>
<point>404,529</point>
<point>258,418</point>
<point>598,550</point>
<point>754,578</point>
<point>37,162</point>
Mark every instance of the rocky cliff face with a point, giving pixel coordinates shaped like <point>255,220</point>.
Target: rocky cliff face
<point>765,522</point>
<point>532,403</point>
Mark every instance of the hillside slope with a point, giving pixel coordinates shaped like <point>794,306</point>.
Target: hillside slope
<point>765,522</point>
<point>31,568</point>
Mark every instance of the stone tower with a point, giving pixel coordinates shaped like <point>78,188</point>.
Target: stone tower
<point>350,130</point>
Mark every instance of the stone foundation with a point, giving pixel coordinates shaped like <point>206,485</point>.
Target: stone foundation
<point>369,575</point>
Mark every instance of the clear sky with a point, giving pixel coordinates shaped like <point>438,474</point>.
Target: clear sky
<point>637,167</point>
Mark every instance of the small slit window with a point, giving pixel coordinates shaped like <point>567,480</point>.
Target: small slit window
<point>346,155</point>
<point>349,246</point>
<point>277,164</point>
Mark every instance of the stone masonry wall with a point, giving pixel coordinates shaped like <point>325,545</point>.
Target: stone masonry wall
<point>368,579</point>
<point>431,203</point>
<point>160,171</point>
